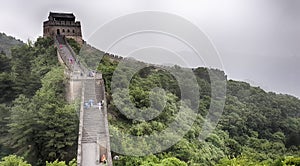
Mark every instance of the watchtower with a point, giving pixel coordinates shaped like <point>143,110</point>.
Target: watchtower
<point>63,24</point>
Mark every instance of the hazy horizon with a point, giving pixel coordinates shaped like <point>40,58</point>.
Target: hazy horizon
<point>257,40</point>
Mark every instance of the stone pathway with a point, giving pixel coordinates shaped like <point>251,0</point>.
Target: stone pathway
<point>94,136</point>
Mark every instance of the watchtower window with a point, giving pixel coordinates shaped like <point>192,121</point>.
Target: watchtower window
<point>68,30</point>
<point>73,31</point>
<point>58,32</point>
<point>63,30</point>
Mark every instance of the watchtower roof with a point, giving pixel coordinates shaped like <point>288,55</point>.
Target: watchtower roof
<point>53,16</point>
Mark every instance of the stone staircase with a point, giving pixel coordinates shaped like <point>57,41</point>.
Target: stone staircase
<point>93,124</point>
<point>60,39</point>
<point>93,139</point>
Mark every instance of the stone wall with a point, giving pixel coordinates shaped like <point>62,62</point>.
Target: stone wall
<point>69,32</point>
<point>69,29</point>
<point>74,89</point>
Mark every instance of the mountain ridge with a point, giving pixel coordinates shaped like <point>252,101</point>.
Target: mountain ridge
<point>7,42</point>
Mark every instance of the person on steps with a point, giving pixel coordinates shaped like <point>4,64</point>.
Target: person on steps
<point>99,105</point>
<point>103,159</point>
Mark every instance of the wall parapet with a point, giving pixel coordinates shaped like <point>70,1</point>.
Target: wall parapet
<point>80,131</point>
<point>62,23</point>
<point>109,158</point>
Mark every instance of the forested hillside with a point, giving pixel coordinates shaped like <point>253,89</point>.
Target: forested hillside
<point>256,127</point>
<point>38,127</point>
<point>7,42</point>
<point>36,122</point>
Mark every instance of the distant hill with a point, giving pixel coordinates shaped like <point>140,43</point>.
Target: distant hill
<point>255,128</point>
<point>7,42</point>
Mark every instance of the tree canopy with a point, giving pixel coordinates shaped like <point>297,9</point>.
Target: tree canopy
<point>38,127</point>
<point>256,127</point>
<point>36,121</point>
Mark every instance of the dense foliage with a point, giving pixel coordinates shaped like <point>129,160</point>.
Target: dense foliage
<point>256,127</point>
<point>13,160</point>
<point>74,45</point>
<point>7,42</point>
<point>90,57</point>
<point>36,121</point>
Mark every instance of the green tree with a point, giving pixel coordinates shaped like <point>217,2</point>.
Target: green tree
<point>172,161</point>
<point>240,161</point>
<point>61,163</point>
<point>256,127</point>
<point>30,63</point>
<point>22,128</point>
<point>13,160</point>
<point>6,82</point>
<point>44,128</point>
<point>4,120</point>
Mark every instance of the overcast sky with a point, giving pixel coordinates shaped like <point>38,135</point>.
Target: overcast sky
<point>257,40</point>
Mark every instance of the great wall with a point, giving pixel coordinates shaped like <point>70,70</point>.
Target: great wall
<point>93,134</point>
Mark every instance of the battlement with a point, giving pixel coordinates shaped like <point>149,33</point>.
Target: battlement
<point>62,23</point>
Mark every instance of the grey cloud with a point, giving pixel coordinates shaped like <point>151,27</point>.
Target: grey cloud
<point>257,40</point>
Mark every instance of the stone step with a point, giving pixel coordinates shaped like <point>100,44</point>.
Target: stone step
<point>94,131</point>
